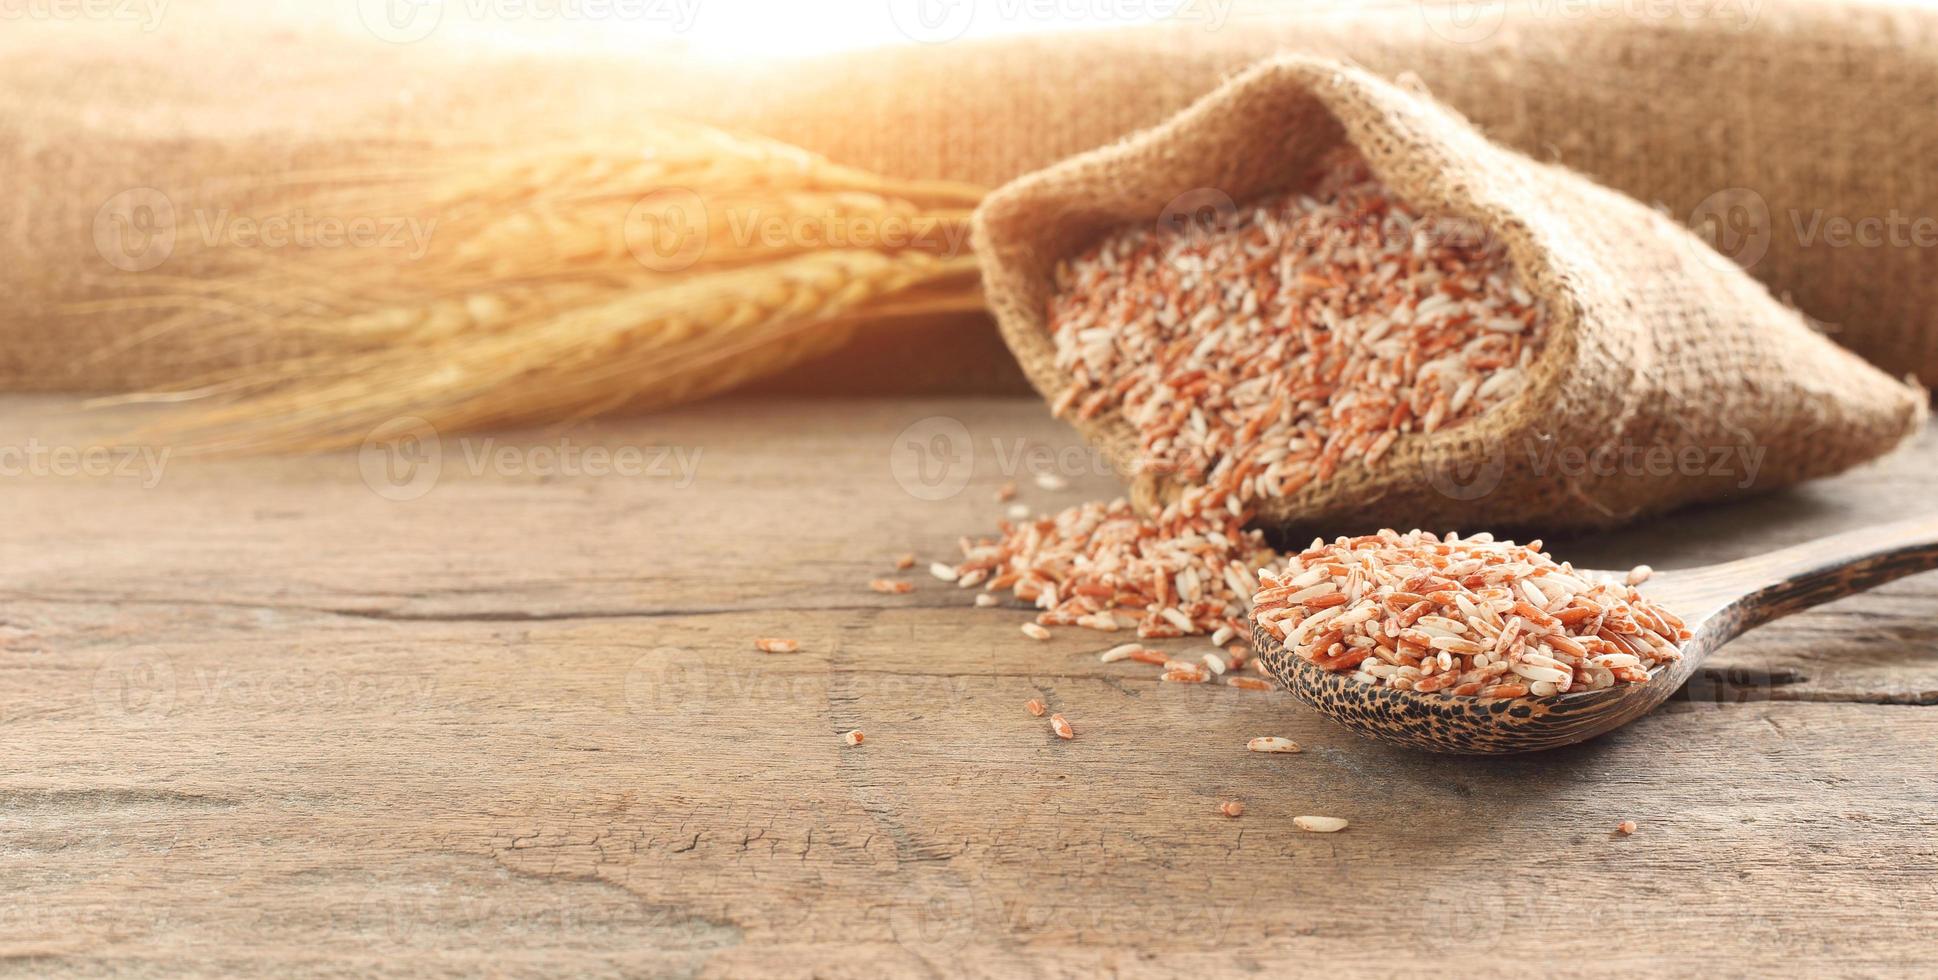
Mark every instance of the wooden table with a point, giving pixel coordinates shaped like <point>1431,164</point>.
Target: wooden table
<point>262,717</point>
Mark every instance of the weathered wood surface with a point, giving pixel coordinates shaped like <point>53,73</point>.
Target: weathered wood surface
<point>258,717</point>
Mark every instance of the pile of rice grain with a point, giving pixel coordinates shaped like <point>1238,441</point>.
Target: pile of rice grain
<point>1466,616</point>
<point>1103,567</point>
<point>1254,356</point>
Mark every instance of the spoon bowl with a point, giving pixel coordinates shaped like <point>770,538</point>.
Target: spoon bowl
<point>1717,602</point>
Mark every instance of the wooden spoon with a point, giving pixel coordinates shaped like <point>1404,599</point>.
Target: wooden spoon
<point>1718,602</point>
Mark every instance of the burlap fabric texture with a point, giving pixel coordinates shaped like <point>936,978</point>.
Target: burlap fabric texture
<point>1787,128</point>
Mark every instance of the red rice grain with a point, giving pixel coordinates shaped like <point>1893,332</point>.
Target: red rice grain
<point>1061,726</point>
<point>1465,615</point>
<point>1257,355</point>
<point>1272,743</point>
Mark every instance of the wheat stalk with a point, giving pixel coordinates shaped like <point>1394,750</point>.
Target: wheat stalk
<point>644,349</point>
<point>538,301</point>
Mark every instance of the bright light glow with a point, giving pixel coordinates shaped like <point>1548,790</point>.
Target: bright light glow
<point>806,27</point>
<point>747,29</point>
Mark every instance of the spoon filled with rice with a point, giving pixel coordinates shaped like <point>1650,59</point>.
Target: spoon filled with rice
<point>1479,646</point>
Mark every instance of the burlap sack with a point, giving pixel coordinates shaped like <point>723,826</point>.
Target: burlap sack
<point>1674,376</point>
<point>1781,125</point>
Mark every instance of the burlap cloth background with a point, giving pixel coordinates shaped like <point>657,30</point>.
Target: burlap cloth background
<point>1656,343</point>
<point>1767,114</point>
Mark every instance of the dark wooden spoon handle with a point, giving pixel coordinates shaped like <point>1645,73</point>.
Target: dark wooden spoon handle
<point>1741,595</point>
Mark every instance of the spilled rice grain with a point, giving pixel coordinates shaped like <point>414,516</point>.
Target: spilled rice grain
<point>1061,726</point>
<point>1272,743</point>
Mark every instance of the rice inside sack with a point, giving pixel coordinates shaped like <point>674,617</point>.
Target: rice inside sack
<point>1255,353</point>
<point>1654,372</point>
